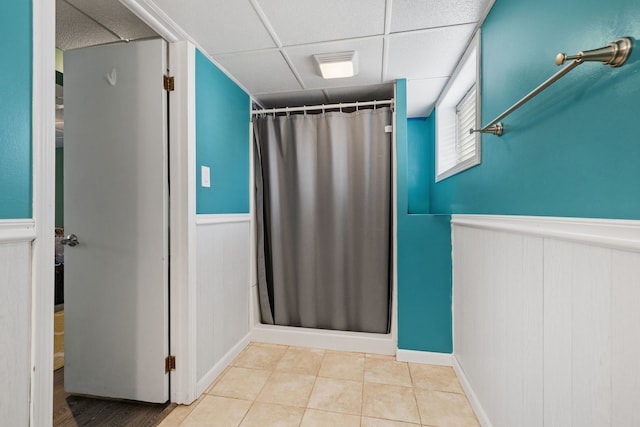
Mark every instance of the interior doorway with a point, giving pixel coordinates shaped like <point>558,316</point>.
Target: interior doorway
<point>80,24</point>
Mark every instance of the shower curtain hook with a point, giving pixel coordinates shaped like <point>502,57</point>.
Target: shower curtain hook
<point>356,106</point>
<point>286,110</point>
<point>305,110</point>
<point>273,111</point>
<point>322,108</point>
<point>375,105</point>
<point>341,107</point>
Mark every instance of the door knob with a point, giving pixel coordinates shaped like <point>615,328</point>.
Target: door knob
<point>70,240</point>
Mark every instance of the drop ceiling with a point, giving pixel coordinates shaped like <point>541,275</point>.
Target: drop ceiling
<point>267,46</point>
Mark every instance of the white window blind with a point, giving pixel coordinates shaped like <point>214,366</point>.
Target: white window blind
<point>465,143</point>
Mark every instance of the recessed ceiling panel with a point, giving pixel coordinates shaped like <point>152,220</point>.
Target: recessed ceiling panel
<point>264,71</point>
<point>298,22</point>
<point>74,29</point>
<point>369,52</point>
<point>427,54</point>
<point>291,99</point>
<point>115,16</point>
<point>422,96</point>
<point>219,26</point>
<point>408,15</point>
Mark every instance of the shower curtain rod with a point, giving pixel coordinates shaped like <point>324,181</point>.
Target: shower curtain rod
<point>323,107</point>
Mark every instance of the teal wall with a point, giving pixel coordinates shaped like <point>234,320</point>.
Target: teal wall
<point>222,141</point>
<point>15,110</point>
<point>574,150</point>
<point>419,164</point>
<point>424,243</point>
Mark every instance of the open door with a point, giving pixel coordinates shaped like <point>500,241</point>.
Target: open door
<point>116,207</point>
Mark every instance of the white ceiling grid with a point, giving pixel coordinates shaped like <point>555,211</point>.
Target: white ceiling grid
<point>268,45</point>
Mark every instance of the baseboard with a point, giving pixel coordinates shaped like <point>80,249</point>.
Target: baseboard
<point>471,396</point>
<point>425,357</point>
<point>205,382</point>
<point>319,338</point>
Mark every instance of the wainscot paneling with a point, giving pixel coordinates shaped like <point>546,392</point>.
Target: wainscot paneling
<point>15,320</point>
<point>222,277</point>
<point>546,323</point>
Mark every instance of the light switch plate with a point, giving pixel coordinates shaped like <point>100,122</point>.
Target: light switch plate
<point>206,176</point>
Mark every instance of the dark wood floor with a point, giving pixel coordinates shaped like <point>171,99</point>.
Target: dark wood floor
<point>70,410</point>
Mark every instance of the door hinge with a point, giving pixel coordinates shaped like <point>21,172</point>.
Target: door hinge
<point>168,83</point>
<point>169,364</point>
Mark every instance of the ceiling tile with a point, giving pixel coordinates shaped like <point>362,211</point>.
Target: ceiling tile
<point>115,16</point>
<point>369,62</point>
<point>422,95</point>
<point>298,22</point>
<point>252,69</point>
<point>219,26</point>
<point>292,99</point>
<point>408,15</point>
<point>427,54</point>
<point>74,30</point>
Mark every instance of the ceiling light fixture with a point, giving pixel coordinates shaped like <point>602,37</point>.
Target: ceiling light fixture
<point>337,65</point>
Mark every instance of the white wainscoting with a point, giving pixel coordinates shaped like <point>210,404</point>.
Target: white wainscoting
<point>222,278</point>
<point>547,319</point>
<point>15,320</point>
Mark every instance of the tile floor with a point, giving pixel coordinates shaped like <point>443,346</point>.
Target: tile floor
<point>274,385</point>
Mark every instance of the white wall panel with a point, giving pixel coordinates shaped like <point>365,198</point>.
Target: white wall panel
<point>222,277</point>
<point>625,338</point>
<point>15,304</point>
<point>546,323</point>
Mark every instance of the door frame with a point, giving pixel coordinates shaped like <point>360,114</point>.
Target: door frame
<point>182,219</point>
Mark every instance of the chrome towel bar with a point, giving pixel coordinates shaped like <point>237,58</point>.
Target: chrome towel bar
<point>614,54</point>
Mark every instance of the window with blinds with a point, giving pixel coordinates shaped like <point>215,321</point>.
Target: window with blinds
<point>465,143</point>
<point>457,111</point>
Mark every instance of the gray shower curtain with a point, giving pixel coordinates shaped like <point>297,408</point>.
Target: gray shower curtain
<point>323,197</point>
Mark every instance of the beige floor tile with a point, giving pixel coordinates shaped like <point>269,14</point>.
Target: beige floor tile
<point>433,377</point>
<point>298,360</point>
<point>390,402</point>
<point>216,411</point>
<point>380,356</point>
<point>390,372</point>
<point>218,378</point>
<point>379,422</point>
<point>287,389</point>
<point>260,356</point>
<point>241,383</point>
<point>178,415</point>
<point>343,366</point>
<point>444,409</point>
<point>345,353</point>
<point>270,415</point>
<point>334,395</point>
<point>315,418</point>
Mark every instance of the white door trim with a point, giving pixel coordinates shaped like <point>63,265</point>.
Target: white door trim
<point>43,172</point>
<point>182,144</point>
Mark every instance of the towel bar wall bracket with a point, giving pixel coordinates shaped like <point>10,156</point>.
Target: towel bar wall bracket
<point>614,54</point>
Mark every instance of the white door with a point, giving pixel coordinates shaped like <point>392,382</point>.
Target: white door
<point>116,203</point>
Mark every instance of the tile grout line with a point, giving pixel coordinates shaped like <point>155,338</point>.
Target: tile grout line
<point>413,390</point>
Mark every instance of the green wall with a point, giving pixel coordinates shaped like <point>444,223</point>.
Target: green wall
<point>15,110</point>
<point>222,141</point>
<point>573,150</point>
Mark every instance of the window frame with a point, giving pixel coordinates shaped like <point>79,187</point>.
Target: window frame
<point>464,77</point>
